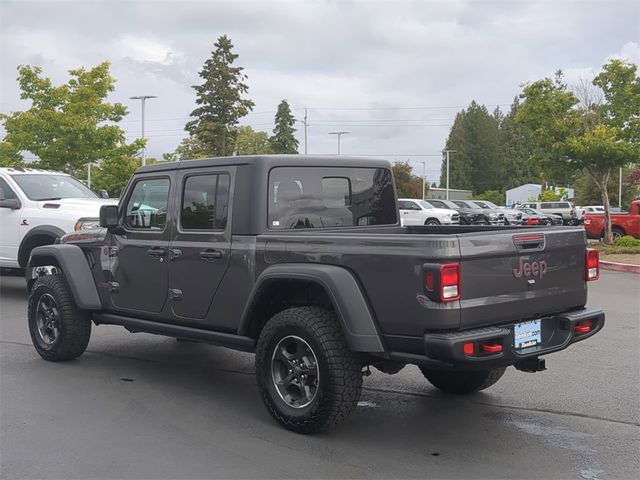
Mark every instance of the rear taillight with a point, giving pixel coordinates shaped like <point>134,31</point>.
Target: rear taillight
<point>591,264</point>
<point>449,282</point>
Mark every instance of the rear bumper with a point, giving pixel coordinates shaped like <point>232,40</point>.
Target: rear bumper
<point>446,350</point>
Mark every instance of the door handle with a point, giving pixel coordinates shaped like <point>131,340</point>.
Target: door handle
<point>210,254</point>
<point>156,252</point>
<point>175,253</point>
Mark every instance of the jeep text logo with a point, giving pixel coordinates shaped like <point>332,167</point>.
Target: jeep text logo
<point>530,269</point>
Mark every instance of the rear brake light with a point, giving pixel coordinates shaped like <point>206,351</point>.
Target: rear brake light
<point>592,264</point>
<point>469,348</point>
<point>449,282</point>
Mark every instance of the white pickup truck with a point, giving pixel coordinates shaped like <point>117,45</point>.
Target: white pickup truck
<point>39,206</point>
<point>418,212</point>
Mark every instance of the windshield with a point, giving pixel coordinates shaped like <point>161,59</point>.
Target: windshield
<point>490,205</point>
<point>462,204</point>
<point>51,187</point>
<point>425,204</point>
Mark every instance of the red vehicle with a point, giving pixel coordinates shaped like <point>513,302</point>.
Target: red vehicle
<point>621,223</point>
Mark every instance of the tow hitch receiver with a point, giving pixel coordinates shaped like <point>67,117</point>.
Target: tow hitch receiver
<point>531,365</point>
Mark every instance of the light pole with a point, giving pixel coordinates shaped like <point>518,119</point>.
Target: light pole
<point>447,152</point>
<point>339,134</point>
<point>89,173</point>
<point>424,178</point>
<point>620,191</point>
<point>143,99</point>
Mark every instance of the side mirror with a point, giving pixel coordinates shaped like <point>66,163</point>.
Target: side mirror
<point>109,216</point>
<point>12,203</point>
<point>102,193</point>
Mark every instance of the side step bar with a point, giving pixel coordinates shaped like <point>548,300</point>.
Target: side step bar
<point>229,340</point>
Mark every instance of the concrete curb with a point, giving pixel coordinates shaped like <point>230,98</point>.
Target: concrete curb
<point>619,267</point>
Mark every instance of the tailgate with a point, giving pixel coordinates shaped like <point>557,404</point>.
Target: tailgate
<point>518,275</point>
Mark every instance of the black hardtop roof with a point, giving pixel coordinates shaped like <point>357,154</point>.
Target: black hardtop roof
<point>270,161</point>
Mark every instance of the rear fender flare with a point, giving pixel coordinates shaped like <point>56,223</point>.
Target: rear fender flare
<point>349,303</point>
<point>75,268</point>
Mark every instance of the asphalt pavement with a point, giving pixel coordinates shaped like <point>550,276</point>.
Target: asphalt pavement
<point>144,406</point>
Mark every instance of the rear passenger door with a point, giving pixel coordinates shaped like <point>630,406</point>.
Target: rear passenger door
<point>200,250</point>
<point>410,213</point>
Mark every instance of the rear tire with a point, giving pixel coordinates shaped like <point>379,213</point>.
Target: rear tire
<point>308,377</point>
<point>617,232</point>
<point>462,383</point>
<point>59,330</point>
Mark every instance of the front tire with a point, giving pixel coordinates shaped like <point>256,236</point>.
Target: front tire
<point>59,330</point>
<point>432,221</point>
<point>462,383</point>
<point>308,377</point>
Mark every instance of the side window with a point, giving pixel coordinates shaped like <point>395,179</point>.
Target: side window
<point>336,192</point>
<point>205,202</point>
<point>414,206</point>
<point>6,192</point>
<point>546,206</point>
<point>147,205</point>
<point>402,205</point>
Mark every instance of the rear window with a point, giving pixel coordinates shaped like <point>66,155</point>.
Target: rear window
<point>323,197</point>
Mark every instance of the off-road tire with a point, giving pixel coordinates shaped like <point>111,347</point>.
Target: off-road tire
<point>340,369</point>
<point>74,324</point>
<point>432,221</point>
<point>462,383</point>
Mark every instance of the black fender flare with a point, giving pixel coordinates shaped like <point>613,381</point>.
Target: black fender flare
<point>75,268</point>
<point>350,304</point>
<point>48,230</point>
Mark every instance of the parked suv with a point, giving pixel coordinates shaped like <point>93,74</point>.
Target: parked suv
<point>565,209</point>
<point>419,212</point>
<point>39,206</point>
<point>302,260</point>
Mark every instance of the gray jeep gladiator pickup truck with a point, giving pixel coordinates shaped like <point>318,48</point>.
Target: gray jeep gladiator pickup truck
<point>302,260</point>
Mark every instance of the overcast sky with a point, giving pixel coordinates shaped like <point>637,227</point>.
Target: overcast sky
<point>393,73</point>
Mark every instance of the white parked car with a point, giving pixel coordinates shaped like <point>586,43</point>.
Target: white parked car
<point>419,212</point>
<point>39,206</point>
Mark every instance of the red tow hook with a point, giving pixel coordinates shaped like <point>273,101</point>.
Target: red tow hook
<point>583,327</point>
<point>491,348</point>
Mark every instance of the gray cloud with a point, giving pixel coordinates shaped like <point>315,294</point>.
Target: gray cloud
<point>323,55</point>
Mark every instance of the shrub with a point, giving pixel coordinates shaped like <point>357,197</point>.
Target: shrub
<point>626,241</point>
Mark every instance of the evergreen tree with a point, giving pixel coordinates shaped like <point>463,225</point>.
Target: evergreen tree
<point>283,140</point>
<point>220,101</point>
<point>475,163</point>
<point>515,151</point>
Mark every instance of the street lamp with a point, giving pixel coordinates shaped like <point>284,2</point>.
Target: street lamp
<point>143,99</point>
<point>339,134</point>
<point>447,152</point>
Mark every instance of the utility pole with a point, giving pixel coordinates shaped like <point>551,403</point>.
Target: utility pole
<point>89,175</point>
<point>305,131</point>
<point>143,100</point>
<point>424,178</point>
<point>339,134</point>
<point>447,152</point>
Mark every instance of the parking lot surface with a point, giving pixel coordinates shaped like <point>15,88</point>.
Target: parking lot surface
<point>143,406</point>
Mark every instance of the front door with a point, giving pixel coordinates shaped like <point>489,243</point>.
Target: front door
<point>140,250</point>
<point>201,246</point>
<point>9,226</point>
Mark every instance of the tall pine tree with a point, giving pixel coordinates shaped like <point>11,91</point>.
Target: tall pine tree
<point>283,140</point>
<point>220,101</point>
<point>474,164</point>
